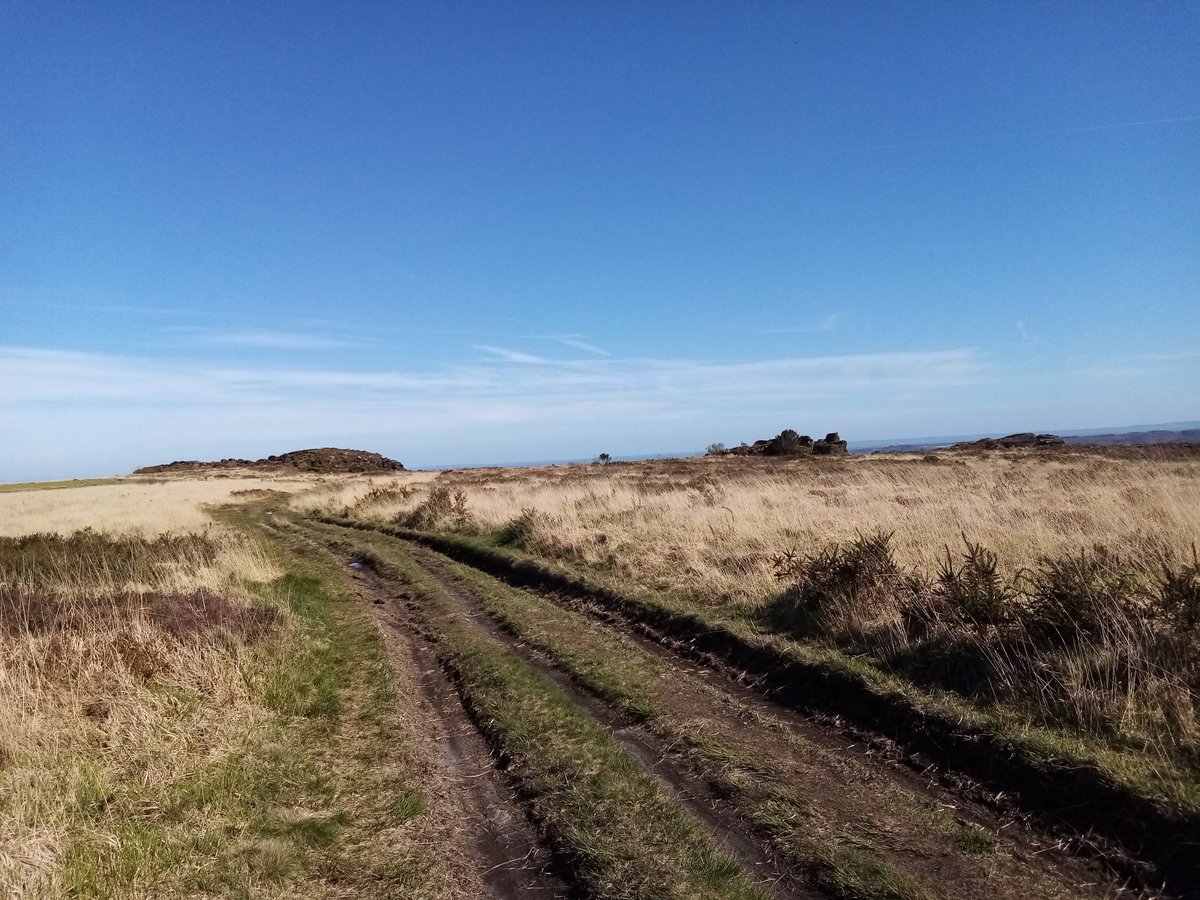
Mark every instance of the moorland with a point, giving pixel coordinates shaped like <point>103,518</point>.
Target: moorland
<point>903,675</point>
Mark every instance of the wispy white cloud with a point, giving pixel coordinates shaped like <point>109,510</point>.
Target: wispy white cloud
<point>262,339</point>
<point>1138,366</point>
<point>573,341</point>
<point>825,323</point>
<point>35,377</point>
<point>513,356</point>
<point>50,397</point>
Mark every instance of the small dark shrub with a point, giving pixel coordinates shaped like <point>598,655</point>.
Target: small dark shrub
<point>518,532</point>
<point>1082,596</point>
<point>974,588</point>
<point>1179,598</point>
<point>788,443</point>
<point>849,583</point>
<point>384,493</point>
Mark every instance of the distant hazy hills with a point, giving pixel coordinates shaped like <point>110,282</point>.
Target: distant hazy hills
<point>1174,433</point>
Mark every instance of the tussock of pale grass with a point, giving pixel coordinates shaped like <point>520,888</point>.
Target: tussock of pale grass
<point>384,494</point>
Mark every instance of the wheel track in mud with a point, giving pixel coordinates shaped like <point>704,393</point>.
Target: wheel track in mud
<point>751,846</point>
<point>732,834</point>
<point>512,860</point>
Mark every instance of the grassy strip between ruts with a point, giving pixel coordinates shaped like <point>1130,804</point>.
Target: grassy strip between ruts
<point>300,798</point>
<point>1129,795</point>
<point>622,833</point>
<point>616,670</point>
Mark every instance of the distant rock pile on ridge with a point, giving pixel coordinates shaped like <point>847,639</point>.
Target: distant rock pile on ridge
<point>324,460</point>
<point>789,443</point>
<point>1021,439</point>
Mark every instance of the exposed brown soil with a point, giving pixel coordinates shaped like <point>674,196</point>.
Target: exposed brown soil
<point>512,860</point>
<point>322,460</point>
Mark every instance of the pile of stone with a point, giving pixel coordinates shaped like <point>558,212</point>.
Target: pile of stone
<point>789,443</point>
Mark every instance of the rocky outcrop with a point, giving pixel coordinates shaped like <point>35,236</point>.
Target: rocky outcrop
<point>324,460</point>
<point>832,445</point>
<point>790,443</point>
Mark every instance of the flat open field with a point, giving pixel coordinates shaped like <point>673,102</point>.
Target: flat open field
<point>145,505</point>
<point>888,677</point>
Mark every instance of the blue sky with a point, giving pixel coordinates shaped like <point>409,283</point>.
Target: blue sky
<point>477,232</point>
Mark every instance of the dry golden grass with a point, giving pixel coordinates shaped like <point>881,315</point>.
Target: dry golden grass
<point>1072,635</point>
<point>97,651</point>
<point>710,526</point>
<point>149,506</point>
<point>181,717</point>
<point>346,491</point>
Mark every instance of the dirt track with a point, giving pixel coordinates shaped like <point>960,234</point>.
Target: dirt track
<point>507,851</point>
<point>853,792</point>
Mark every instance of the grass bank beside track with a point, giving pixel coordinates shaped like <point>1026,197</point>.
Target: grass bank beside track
<point>236,738</point>
<point>1151,811</point>
<point>751,765</point>
<point>619,832</point>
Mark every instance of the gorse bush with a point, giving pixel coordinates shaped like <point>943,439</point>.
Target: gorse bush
<point>845,586</point>
<point>520,531</point>
<point>974,588</point>
<point>392,492</point>
<point>1080,596</point>
<point>1179,598</point>
<point>1085,639</point>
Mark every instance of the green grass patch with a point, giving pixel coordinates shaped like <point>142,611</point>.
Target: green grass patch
<point>310,795</point>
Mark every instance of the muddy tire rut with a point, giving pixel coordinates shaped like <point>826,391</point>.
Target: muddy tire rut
<point>733,834</point>
<point>513,861</point>
<point>505,853</point>
<point>467,745</point>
